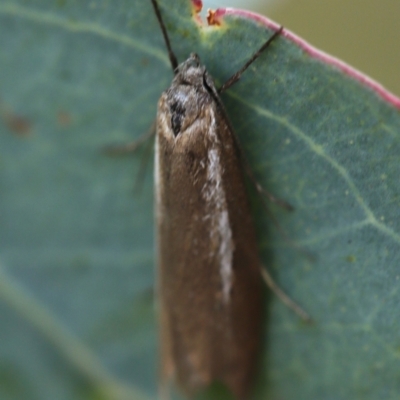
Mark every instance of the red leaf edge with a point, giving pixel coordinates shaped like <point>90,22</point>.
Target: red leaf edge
<point>215,17</point>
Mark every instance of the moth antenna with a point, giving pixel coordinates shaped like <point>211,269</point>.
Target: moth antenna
<point>172,57</point>
<point>236,76</point>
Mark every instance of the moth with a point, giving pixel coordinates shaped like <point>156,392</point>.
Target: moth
<point>209,270</point>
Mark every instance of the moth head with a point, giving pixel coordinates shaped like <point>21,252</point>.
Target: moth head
<point>190,72</point>
<point>185,104</point>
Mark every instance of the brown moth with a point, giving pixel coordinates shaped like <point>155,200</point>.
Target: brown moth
<point>209,277</point>
<point>209,280</point>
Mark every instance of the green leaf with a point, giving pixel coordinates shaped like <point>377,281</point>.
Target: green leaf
<point>76,241</point>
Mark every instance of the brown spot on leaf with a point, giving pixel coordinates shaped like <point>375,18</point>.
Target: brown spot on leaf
<point>64,118</point>
<point>144,62</point>
<point>214,18</point>
<point>17,124</point>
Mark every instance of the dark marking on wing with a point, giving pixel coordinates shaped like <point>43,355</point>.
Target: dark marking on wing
<point>178,113</point>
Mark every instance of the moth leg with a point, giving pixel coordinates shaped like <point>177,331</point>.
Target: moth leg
<point>265,194</point>
<point>144,162</point>
<point>245,164</point>
<point>260,190</point>
<point>131,147</point>
<point>285,299</point>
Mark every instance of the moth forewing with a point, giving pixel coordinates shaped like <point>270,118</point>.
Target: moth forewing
<point>209,281</point>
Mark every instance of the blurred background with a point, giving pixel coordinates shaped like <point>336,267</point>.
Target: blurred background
<point>363,33</point>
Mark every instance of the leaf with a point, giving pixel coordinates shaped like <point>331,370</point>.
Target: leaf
<point>76,242</point>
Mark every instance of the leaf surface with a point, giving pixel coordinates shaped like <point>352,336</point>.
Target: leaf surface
<point>76,241</point>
